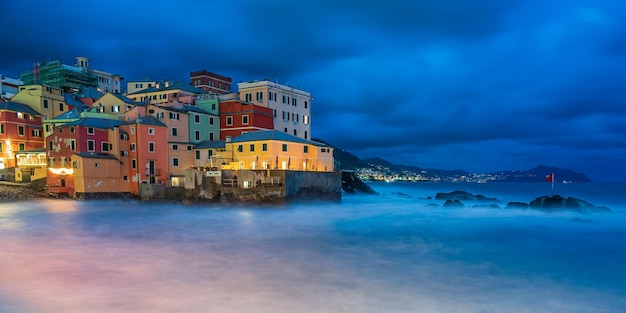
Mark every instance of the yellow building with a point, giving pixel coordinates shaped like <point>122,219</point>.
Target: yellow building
<point>165,93</point>
<point>279,151</point>
<point>114,104</point>
<point>48,101</point>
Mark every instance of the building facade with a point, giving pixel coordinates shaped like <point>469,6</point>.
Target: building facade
<point>238,117</point>
<point>47,100</point>
<point>211,82</point>
<point>275,150</point>
<point>20,130</point>
<point>291,107</point>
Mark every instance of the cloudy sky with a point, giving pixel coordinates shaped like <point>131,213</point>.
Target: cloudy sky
<point>481,85</point>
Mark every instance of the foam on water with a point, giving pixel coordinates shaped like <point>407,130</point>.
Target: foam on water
<point>385,253</point>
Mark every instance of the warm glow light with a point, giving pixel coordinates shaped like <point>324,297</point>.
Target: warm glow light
<point>62,171</point>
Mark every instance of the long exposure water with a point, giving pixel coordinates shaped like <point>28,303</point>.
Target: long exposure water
<point>392,252</point>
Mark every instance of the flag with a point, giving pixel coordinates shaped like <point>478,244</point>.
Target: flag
<point>550,178</point>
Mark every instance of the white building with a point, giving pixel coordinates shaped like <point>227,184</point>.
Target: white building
<point>292,107</point>
<point>9,87</point>
<point>107,82</point>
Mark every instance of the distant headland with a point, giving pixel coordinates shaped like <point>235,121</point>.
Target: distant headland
<point>377,169</point>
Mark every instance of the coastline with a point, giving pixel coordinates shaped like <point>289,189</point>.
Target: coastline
<point>12,192</point>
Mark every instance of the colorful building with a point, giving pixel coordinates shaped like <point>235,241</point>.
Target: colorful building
<point>291,107</point>
<point>114,104</point>
<point>146,137</point>
<point>165,93</point>
<point>238,117</point>
<point>89,136</point>
<point>47,100</point>
<point>279,151</point>
<point>212,154</point>
<point>20,130</point>
<point>211,82</point>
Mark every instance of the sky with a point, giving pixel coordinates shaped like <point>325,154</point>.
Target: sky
<point>483,85</point>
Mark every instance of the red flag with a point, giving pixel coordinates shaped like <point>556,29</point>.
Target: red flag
<point>550,178</point>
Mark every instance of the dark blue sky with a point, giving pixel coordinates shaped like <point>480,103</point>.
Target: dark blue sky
<point>480,85</point>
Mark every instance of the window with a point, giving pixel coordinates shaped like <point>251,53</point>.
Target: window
<point>285,118</point>
<point>76,164</point>
<point>284,147</point>
<point>90,131</point>
<point>125,178</point>
<point>0,146</point>
<point>294,102</point>
<point>211,122</point>
<point>174,161</point>
<point>264,147</point>
<point>115,108</point>
<point>97,164</point>
<point>19,115</point>
<point>61,107</point>
<point>284,99</point>
<point>51,145</point>
<point>211,136</point>
<point>305,119</point>
<point>213,106</point>
<point>306,149</point>
<point>306,104</point>
<point>91,145</point>
<point>251,147</point>
<point>229,120</point>
<point>240,148</point>
<point>124,136</point>
<point>259,96</point>
<point>174,147</point>
<point>45,103</point>
<point>151,146</point>
<point>196,119</point>
<point>36,133</point>
<point>189,148</point>
<point>306,134</point>
<point>20,130</point>
<point>175,131</point>
<point>295,132</point>
<point>197,154</point>
<point>1,128</point>
<point>133,163</point>
<point>72,130</point>
<point>248,97</point>
<point>197,134</point>
<point>105,146</point>
<point>132,130</point>
<point>22,146</point>
<point>244,120</point>
<point>150,131</point>
<point>286,131</point>
<point>132,147</point>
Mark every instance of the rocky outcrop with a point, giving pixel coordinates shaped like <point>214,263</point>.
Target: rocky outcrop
<point>350,183</point>
<point>516,205</point>
<point>463,196</point>
<point>453,204</point>
<point>557,202</point>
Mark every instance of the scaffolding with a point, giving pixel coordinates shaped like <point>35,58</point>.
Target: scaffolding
<point>55,74</point>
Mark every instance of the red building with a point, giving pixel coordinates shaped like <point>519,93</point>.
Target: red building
<point>211,82</point>
<point>20,130</point>
<point>238,117</point>
<point>147,141</point>
<point>86,136</point>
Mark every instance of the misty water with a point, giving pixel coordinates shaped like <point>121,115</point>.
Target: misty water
<point>391,252</point>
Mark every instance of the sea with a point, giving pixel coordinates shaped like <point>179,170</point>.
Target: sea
<point>397,251</point>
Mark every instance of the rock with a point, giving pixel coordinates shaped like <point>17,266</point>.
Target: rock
<point>516,205</point>
<point>453,204</point>
<point>491,206</point>
<point>351,184</point>
<point>463,195</point>
<point>570,203</point>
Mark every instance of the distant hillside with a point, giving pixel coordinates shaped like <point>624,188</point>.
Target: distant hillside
<point>538,174</point>
<point>348,161</point>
